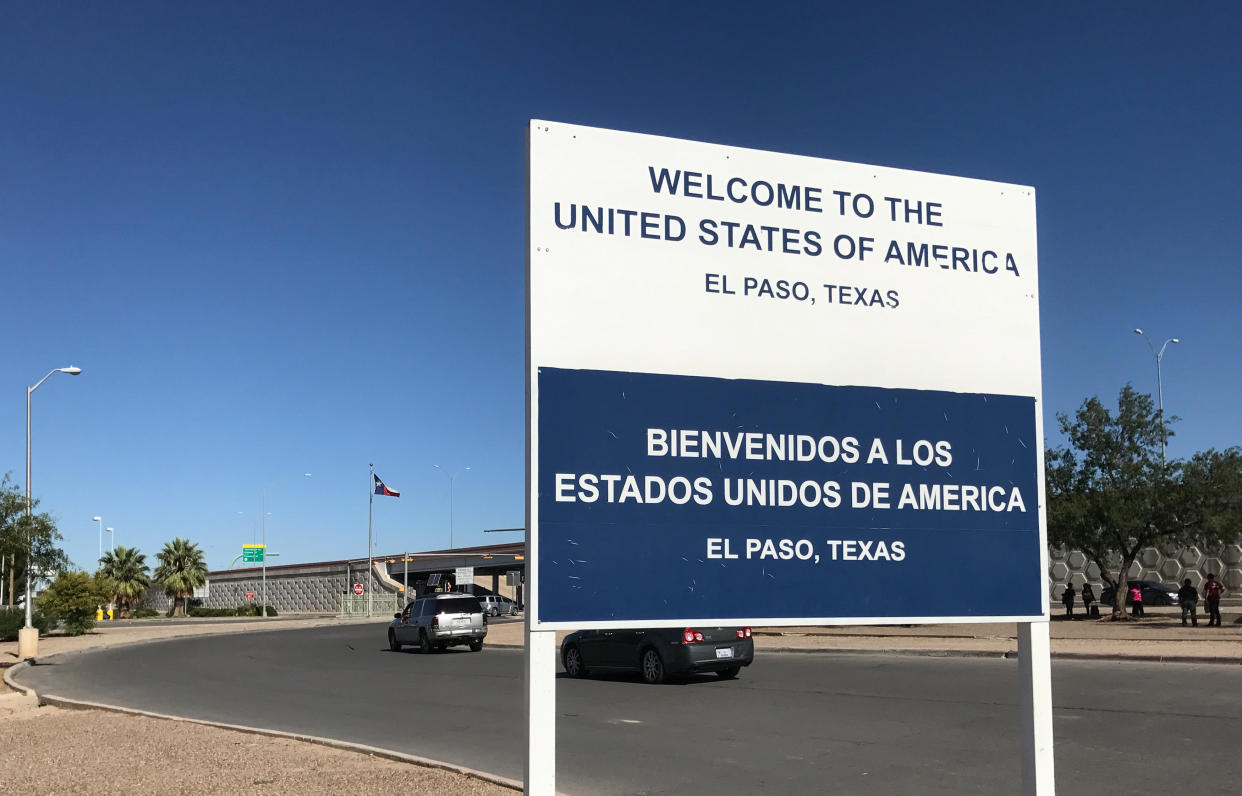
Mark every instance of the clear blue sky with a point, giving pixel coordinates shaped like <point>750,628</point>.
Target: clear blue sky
<point>290,238</point>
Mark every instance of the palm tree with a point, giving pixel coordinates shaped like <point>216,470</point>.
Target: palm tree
<point>128,569</point>
<point>181,571</point>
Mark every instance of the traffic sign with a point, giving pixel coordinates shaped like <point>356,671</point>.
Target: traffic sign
<point>358,589</point>
<point>252,553</point>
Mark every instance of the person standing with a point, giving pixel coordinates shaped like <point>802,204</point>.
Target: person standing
<point>1136,601</point>
<point>1211,599</point>
<point>1188,599</point>
<point>1088,597</point>
<point>1067,599</point>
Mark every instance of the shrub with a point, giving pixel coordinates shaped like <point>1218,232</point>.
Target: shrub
<point>144,613</point>
<point>14,619</point>
<point>211,612</point>
<point>252,609</point>
<point>73,598</point>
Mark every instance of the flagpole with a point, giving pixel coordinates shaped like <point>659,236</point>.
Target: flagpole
<point>370,563</point>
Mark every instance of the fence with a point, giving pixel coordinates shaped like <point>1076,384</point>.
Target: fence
<point>383,604</point>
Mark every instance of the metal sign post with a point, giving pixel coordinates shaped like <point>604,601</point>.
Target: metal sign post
<point>370,562</point>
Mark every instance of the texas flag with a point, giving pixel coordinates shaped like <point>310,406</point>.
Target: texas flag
<point>380,489</point>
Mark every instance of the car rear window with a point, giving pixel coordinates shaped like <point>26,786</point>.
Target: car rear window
<point>458,605</point>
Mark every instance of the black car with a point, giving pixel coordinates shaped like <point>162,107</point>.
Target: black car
<point>1153,593</point>
<point>659,654</point>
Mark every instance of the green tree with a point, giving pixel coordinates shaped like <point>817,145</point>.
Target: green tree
<point>20,535</point>
<point>128,569</point>
<point>181,571</point>
<point>1110,494</point>
<point>73,598</point>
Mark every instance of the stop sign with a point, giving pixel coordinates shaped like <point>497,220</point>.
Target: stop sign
<point>358,589</point>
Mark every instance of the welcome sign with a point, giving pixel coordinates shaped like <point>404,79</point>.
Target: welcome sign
<point>774,389</point>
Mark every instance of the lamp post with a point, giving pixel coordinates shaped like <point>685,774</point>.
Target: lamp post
<point>100,521</point>
<point>451,478</point>
<point>28,636</point>
<point>1159,387</point>
<point>111,539</point>
<point>263,523</point>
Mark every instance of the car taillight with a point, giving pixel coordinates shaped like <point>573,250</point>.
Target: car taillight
<point>485,619</point>
<point>435,621</point>
<point>743,632</point>
<point>690,635</point>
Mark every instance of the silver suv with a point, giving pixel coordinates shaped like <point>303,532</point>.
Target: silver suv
<point>495,605</point>
<point>438,621</point>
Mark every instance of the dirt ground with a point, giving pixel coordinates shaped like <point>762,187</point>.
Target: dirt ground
<point>53,751</point>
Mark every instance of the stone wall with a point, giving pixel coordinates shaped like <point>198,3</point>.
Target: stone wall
<point>1170,566</point>
<point>308,588</point>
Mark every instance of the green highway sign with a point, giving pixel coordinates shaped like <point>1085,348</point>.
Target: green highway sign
<point>252,553</point>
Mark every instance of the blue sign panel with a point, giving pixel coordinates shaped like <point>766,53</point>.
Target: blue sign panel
<point>669,497</point>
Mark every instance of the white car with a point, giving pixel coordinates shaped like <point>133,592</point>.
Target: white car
<point>495,605</point>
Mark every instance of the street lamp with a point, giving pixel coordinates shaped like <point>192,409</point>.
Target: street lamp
<point>28,636</point>
<point>263,522</point>
<point>100,521</point>
<point>451,478</point>
<point>111,538</point>
<point>1159,386</point>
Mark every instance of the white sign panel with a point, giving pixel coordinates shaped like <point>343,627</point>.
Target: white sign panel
<point>774,389</point>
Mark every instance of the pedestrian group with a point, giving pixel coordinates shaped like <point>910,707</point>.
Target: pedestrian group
<point>1187,599</point>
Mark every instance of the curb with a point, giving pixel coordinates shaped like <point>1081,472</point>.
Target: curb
<point>176,637</point>
<point>1012,655</point>
<point>372,751</point>
<point>11,683</point>
<point>1003,654</point>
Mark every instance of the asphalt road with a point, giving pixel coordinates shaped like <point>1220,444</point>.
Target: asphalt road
<point>791,724</point>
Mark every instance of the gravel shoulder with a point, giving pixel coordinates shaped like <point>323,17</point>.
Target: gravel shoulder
<point>53,751</point>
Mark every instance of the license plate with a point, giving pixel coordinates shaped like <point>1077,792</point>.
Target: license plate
<point>724,652</point>
<point>461,622</point>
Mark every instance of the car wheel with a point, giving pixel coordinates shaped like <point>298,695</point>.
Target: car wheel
<point>424,643</point>
<point>475,646</point>
<point>493,612</point>
<point>652,666</point>
<point>393,644</point>
<point>573,663</point>
<point>729,673</point>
